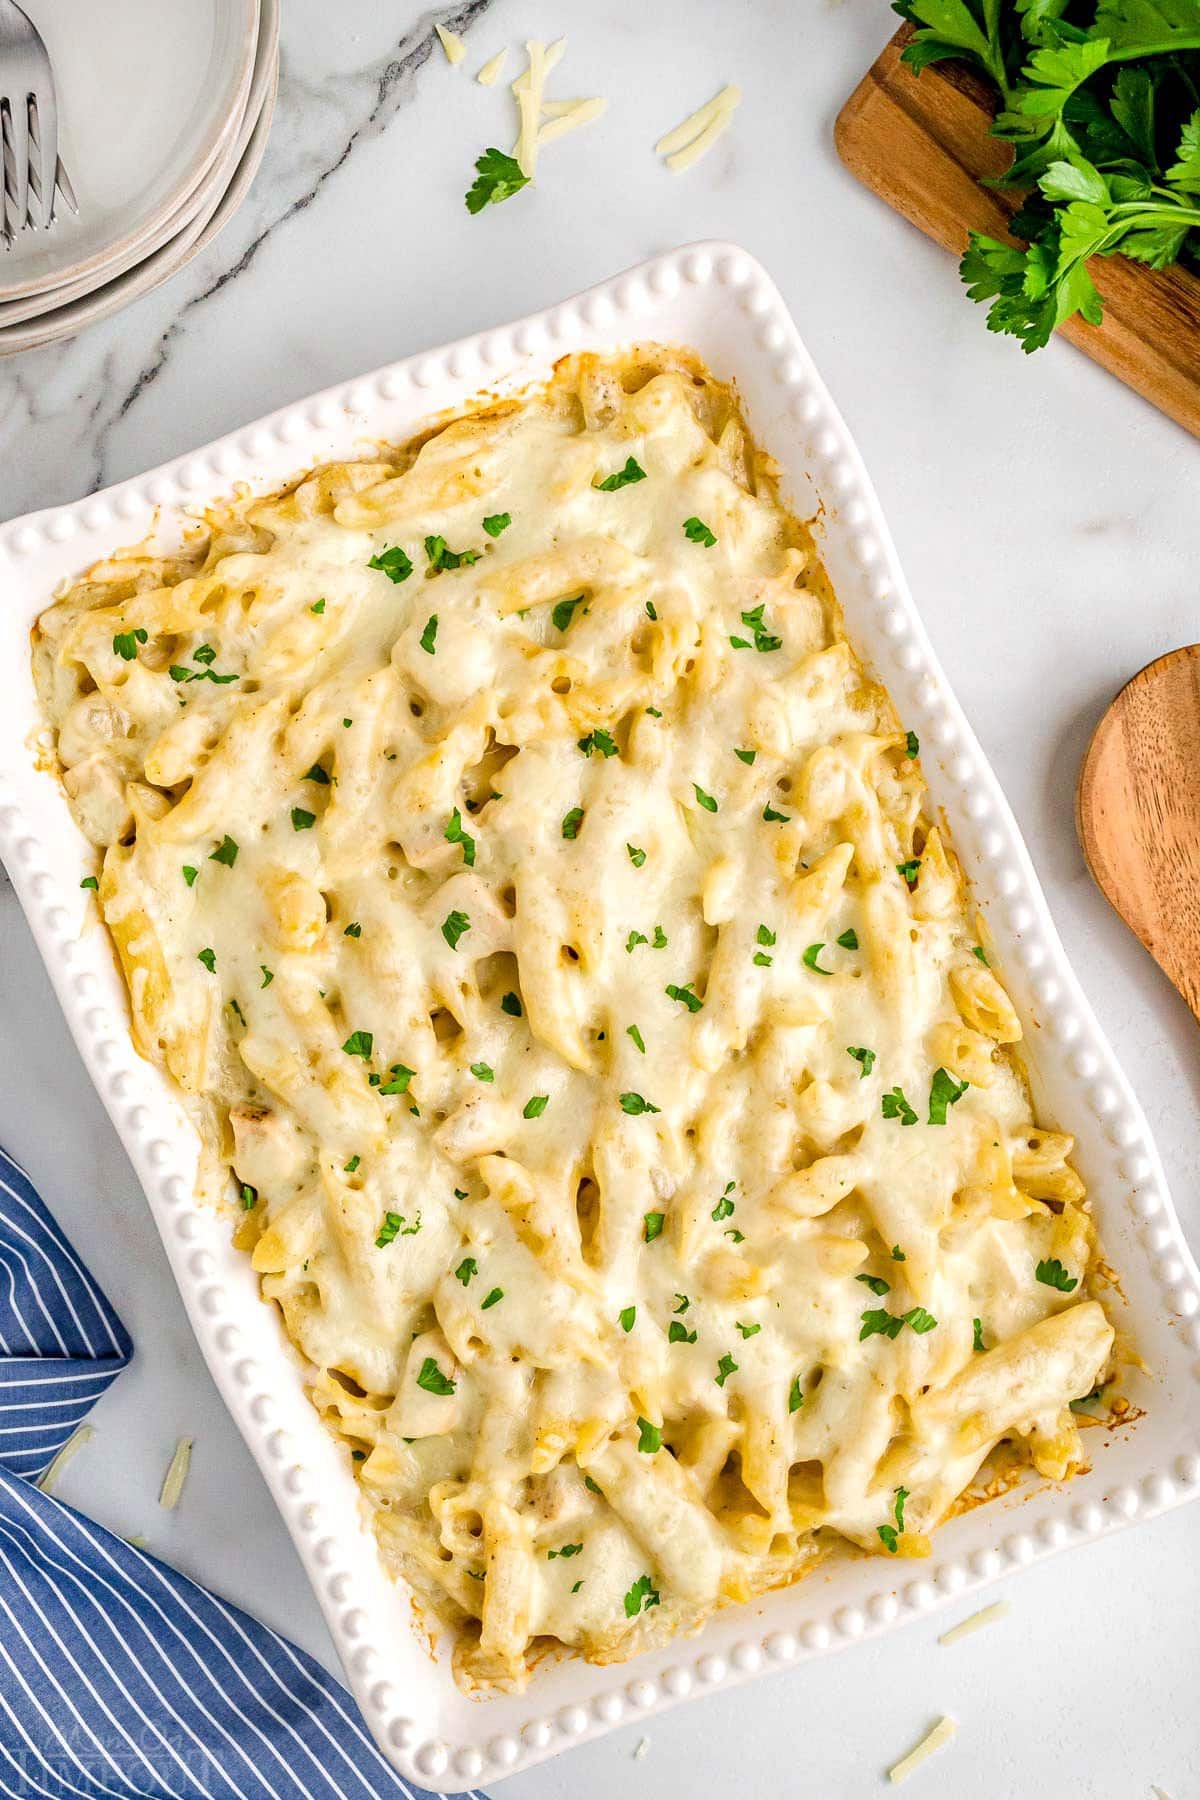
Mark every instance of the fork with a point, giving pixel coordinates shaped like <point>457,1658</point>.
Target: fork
<point>28,119</point>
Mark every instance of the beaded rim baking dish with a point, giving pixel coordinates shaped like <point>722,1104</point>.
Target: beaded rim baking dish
<point>720,301</point>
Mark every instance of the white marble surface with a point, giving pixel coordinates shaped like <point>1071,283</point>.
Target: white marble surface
<point>1047,519</point>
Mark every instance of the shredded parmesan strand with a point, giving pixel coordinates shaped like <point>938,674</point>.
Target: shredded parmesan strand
<point>1159,1793</point>
<point>976,1622</point>
<point>941,1734</point>
<point>528,90</point>
<point>692,126</point>
<point>581,113</point>
<point>683,159</point>
<point>452,44</point>
<point>74,1444</point>
<point>176,1475</point>
<point>490,71</point>
<point>642,1749</point>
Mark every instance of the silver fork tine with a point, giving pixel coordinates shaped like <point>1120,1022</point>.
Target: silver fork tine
<point>45,113</point>
<point>6,203</point>
<point>18,124</point>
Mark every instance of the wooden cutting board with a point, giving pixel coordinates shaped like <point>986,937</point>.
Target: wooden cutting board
<point>922,143</point>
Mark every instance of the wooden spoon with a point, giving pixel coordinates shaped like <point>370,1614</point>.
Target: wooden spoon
<point>1137,810</point>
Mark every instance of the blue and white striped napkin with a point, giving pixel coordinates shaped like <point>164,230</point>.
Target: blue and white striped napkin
<point>119,1678</point>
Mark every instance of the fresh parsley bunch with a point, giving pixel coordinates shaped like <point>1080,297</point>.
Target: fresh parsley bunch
<point>1100,100</point>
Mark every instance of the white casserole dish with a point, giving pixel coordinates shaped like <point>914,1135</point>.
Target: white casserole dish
<point>719,300</point>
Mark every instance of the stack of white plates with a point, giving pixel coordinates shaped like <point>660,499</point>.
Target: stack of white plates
<point>164,108</point>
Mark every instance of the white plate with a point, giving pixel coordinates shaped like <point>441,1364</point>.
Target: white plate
<point>718,299</point>
<point>150,93</point>
<point>37,306</point>
<point>228,189</point>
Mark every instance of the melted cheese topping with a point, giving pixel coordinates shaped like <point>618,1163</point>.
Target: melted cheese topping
<point>515,868</point>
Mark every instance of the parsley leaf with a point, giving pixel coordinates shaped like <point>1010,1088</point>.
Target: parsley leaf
<point>393,562</point>
<point>190,874</point>
<point>977,951</point>
<point>622,478</point>
<point>209,959</point>
<point>598,740</point>
<point>703,799</point>
<point>226,852</point>
<point>652,1224</point>
<point>634,1104</point>
<point>564,611</point>
<point>483,1071</point>
<point>633,940</point>
<point>763,640</point>
<point>494,1296</point>
<point>498,177</point>
<point>678,1333</point>
<point>878,1320</point>
<point>697,532</point>
<point>318,607</point>
<point>849,939</point>
<point>89,881</point>
<point>495,523</point>
<point>1052,1274</point>
<point>895,1106</point>
<point>944,1091</point>
<point>535,1106</point>
<point>631,1031</point>
<point>685,996</point>
<point>572,821</point>
<point>876,1283</point>
<point>429,635</point>
<point>912,744</point>
<point>302,820</point>
<point>641,1597</point>
<point>890,1533</point>
<point>771,817</point>
<point>649,1437</point>
<point>637,857</point>
<point>725,1368</point>
<point>359,1043</point>
<point>864,1058</point>
<point>746,756</point>
<point>977,1326</point>
<point>908,870</point>
<point>795,1396</point>
<point>511,1005</point>
<point>454,926</point>
<point>747,1331</point>
<point>626,1317</point>
<point>809,959</point>
<point>466,1268</point>
<point>268,975</point>
<point>126,642</point>
<point>432,1379</point>
<point>353,930</point>
<point>455,834</point>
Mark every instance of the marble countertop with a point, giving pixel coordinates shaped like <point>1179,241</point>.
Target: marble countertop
<point>1047,520</point>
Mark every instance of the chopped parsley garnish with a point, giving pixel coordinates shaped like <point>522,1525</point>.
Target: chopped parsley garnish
<point>126,642</point>
<point>684,995</point>
<point>190,874</point>
<point>660,938</point>
<point>627,1317</point>
<point>886,1324</point>
<point>653,712</point>
<point>498,177</point>
<point>394,563</point>
<point>849,939</point>
<point>977,1327</point>
<point>633,940</point>
<point>89,881</point>
<point>454,834</point>
<point>317,774</point>
<point>725,1368</point>
<point>454,926</point>
<point>634,1104</point>
<point>809,959</point>
<point>697,532</point>
<point>678,1333</point>
<point>909,870</point>
<point>496,1295</point>
<point>631,1031</point>
<point>724,1207</point>
<point>566,1550</point>
<point>912,744</point>
<point>649,1437</point>
<point>226,852</point>
<point>625,477</point>
<point>483,1071</point>
<point>302,820</point>
<point>511,1005</point>
<point>795,1396</point>
<point>703,799</point>
<point>205,654</point>
<point>652,1224</point>
<point>890,1533</point>
<point>349,1167</point>
<point>359,1043</point>
<point>943,1092</point>
<point>637,857</point>
<point>763,639</point>
<point>1051,1273</point>
<point>746,756</point>
<point>652,611</point>
<point>592,1486</point>
<point>268,975</point>
<point>237,1012</point>
<point>641,1597</point>
<point>771,817</point>
<point>876,1283</point>
<point>684,1303</point>
<point>572,821</point>
<point>895,1106</point>
<point>466,1268</point>
<point>248,1196</point>
<point>599,740</point>
<point>429,635</point>
<point>535,1106</point>
<point>747,1331</point>
<point>864,1058</point>
<point>398,1079</point>
<point>209,959</point>
<point>920,1320</point>
<point>353,930</point>
<point>564,611</point>
<point>978,951</point>
<point>432,1379</point>
<point>764,935</point>
<point>394,1226</point>
<point>495,523</point>
<point>898,1254</point>
<point>317,607</point>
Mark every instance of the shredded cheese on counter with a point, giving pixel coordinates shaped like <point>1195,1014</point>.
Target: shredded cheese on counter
<point>941,1734</point>
<point>696,135</point>
<point>74,1444</point>
<point>490,71</point>
<point>176,1475</point>
<point>977,1621</point>
<point>451,43</point>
